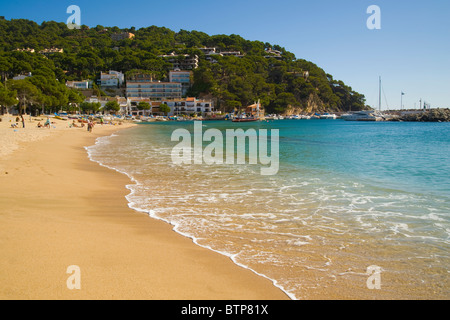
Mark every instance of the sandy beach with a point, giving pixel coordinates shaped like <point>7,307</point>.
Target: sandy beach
<point>59,209</point>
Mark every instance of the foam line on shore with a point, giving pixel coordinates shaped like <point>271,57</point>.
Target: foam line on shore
<point>151,213</point>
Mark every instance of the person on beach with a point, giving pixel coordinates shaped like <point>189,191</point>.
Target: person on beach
<point>90,126</point>
<point>23,120</point>
<point>47,123</point>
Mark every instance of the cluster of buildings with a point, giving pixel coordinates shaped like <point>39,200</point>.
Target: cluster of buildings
<point>143,88</point>
<point>270,53</point>
<point>45,52</point>
<point>181,106</point>
<point>211,53</point>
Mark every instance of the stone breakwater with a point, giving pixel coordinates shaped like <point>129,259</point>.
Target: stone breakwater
<point>433,115</point>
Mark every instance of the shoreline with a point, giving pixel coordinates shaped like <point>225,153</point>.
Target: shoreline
<point>60,209</point>
<point>175,228</point>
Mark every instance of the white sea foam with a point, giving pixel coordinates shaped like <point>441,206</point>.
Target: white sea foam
<point>91,150</point>
<point>279,220</point>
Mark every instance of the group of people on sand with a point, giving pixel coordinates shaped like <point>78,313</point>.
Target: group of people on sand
<point>75,125</point>
<point>90,125</point>
<point>46,124</point>
<point>16,125</point>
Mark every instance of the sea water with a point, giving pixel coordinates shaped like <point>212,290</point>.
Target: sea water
<point>348,196</point>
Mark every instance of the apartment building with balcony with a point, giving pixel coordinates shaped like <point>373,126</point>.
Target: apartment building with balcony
<point>189,106</point>
<point>183,77</point>
<point>186,106</point>
<point>181,61</point>
<point>155,90</point>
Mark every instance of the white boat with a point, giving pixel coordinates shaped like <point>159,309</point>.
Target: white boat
<point>370,115</point>
<point>327,116</point>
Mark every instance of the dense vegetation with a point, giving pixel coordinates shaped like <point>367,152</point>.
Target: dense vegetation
<point>232,81</point>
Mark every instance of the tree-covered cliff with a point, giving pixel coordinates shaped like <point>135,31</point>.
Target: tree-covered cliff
<point>262,71</point>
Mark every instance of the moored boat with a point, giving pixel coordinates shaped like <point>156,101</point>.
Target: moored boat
<point>327,115</point>
<point>370,115</point>
<point>245,119</point>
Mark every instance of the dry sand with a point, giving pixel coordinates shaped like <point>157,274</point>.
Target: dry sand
<point>58,209</point>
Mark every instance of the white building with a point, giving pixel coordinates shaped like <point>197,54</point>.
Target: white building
<point>111,79</point>
<point>273,54</point>
<point>82,85</point>
<point>183,77</point>
<point>182,61</point>
<point>232,53</point>
<point>123,102</point>
<point>208,51</point>
<point>185,106</point>
<point>212,56</point>
<point>154,90</point>
<point>131,107</point>
<point>212,53</point>
<point>190,105</point>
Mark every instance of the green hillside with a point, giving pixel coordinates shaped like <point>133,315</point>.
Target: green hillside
<point>263,71</point>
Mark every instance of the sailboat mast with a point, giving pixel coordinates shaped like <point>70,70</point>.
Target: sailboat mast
<point>379,95</point>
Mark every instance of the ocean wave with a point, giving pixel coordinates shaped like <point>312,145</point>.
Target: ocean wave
<point>285,222</point>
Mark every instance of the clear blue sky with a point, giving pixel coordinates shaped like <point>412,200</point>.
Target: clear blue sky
<point>411,52</point>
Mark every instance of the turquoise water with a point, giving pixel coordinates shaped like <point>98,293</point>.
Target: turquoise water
<point>348,195</point>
